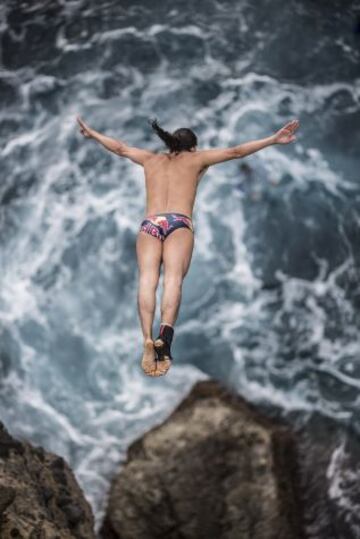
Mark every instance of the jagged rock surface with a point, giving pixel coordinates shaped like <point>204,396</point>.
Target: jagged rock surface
<point>39,495</point>
<point>216,468</point>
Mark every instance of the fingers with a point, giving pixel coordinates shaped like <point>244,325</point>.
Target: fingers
<point>294,124</point>
<point>81,123</point>
<point>291,126</point>
<point>83,127</point>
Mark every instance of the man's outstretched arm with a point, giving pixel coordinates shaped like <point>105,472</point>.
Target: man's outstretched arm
<point>219,155</point>
<point>137,155</point>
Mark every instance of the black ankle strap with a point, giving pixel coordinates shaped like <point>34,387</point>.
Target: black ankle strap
<point>166,333</point>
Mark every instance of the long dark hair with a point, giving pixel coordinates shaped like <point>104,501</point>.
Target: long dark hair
<point>182,139</point>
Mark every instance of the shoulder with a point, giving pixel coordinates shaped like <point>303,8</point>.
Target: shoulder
<point>206,158</point>
<point>138,155</point>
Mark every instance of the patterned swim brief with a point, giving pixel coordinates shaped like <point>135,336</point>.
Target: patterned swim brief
<point>160,225</point>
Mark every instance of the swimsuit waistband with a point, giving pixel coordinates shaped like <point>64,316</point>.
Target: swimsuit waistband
<point>169,213</point>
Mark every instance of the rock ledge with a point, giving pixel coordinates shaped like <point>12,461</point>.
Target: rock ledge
<point>39,495</point>
<point>216,468</point>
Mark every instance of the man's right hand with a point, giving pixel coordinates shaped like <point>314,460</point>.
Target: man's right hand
<point>85,130</point>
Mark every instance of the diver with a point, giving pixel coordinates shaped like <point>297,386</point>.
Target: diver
<point>166,232</point>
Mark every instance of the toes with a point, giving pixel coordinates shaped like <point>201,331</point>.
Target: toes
<point>157,372</point>
<point>149,370</point>
<point>163,366</point>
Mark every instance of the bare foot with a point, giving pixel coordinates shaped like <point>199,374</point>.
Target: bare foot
<point>164,364</point>
<point>148,361</point>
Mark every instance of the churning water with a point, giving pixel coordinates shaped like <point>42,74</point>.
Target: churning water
<point>271,301</point>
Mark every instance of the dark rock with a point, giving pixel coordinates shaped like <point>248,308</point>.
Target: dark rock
<point>216,468</point>
<point>39,495</point>
<point>7,495</point>
<point>40,453</point>
<point>47,494</point>
<point>74,513</point>
<point>63,499</point>
<point>58,464</point>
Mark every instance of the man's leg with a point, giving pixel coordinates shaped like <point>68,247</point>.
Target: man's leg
<point>149,253</point>
<point>177,253</point>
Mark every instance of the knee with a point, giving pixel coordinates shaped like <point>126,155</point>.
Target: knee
<point>173,280</point>
<point>149,281</point>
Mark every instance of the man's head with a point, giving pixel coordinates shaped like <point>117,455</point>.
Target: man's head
<point>183,139</point>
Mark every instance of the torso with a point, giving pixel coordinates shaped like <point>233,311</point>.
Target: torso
<point>171,182</point>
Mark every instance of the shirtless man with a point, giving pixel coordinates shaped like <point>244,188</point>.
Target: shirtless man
<point>166,234</point>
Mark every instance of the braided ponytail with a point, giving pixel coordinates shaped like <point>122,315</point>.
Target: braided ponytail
<point>171,142</point>
<point>181,139</point>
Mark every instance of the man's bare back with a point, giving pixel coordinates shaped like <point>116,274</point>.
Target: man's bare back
<point>171,182</point>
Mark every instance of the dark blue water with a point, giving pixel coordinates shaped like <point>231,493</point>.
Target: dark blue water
<point>271,302</point>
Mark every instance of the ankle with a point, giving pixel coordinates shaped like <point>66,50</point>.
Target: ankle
<point>166,332</point>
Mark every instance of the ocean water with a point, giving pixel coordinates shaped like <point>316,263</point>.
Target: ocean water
<point>271,301</point>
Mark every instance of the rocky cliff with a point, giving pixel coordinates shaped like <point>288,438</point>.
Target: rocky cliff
<point>216,468</point>
<point>39,496</point>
